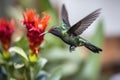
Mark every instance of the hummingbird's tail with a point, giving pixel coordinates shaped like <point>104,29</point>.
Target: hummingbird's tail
<point>92,47</point>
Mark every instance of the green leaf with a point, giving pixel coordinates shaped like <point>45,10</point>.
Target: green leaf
<point>42,75</point>
<point>20,52</point>
<point>18,66</point>
<point>23,43</point>
<point>42,62</point>
<point>56,75</point>
<point>93,65</point>
<point>99,34</point>
<point>39,65</point>
<point>1,59</point>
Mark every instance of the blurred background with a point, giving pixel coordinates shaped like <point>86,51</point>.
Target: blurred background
<point>80,64</point>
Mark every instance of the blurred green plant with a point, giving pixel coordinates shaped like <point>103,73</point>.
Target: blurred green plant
<point>59,62</point>
<point>92,67</point>
<point>19,66</point>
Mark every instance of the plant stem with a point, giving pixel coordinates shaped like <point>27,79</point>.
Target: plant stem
<point>27,72</point>
<point>7,69</point>
<point>31,73</point>
<point>25,76</point>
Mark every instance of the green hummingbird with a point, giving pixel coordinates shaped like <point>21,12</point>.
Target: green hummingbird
<point>70,34</point>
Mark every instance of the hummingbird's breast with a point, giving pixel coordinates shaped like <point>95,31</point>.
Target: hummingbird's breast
<point>69,40</point>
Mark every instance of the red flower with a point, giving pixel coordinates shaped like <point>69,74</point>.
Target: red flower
<point>6,30</point>
<point>35,26</point>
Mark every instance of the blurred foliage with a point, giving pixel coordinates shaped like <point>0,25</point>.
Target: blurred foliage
<point>92,67</point>
<point>60,62</point>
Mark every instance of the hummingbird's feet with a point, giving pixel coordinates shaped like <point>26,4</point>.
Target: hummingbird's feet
<point>72,48</point>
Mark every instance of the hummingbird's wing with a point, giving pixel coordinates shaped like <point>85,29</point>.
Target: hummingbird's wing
<point>64,15</point>
<point>83,24</point>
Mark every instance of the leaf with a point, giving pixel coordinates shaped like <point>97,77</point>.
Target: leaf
<point>23,43</point>
<point>20,52</point>
<point>1,59</point>
<point>39,65</point>
<point>93,65</point>
<point>42,75</point>
<point>3,73</point>
<point>99,34</point>
<point>42,62</point>
<point>18,66</point>
<point>56,75</point>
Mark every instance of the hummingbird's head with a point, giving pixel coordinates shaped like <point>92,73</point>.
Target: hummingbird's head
<point>55,31</point>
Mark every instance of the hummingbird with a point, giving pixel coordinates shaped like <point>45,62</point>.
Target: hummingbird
<point>70,34</point>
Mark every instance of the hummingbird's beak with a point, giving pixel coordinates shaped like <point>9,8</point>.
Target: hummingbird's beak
<point>43,33</point>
